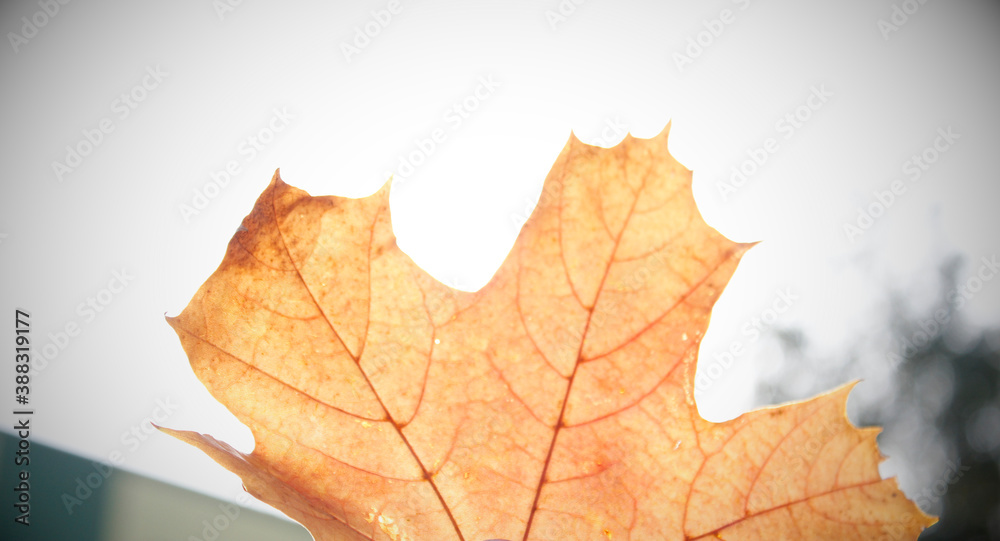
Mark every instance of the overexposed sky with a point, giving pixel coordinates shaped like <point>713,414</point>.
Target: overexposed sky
<point>819,105</point>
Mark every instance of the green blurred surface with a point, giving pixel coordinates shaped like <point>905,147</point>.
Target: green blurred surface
<point>122,506</point>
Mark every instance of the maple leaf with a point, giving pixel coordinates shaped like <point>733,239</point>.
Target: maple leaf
<point>556,403</point>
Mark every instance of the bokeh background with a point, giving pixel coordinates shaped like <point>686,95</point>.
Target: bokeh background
<point>856,140</point>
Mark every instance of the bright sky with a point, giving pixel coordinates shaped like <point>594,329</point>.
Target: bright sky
<point>818,105</point>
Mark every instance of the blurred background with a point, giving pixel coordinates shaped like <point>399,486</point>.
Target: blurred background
<point>856,140</point>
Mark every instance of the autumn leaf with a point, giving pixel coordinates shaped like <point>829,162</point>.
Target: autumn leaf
<point>556,403</point>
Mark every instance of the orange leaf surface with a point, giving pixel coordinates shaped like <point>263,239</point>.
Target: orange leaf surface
<point>556,403</point>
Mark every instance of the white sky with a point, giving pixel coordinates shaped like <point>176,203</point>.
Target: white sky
<point>606,64</point>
